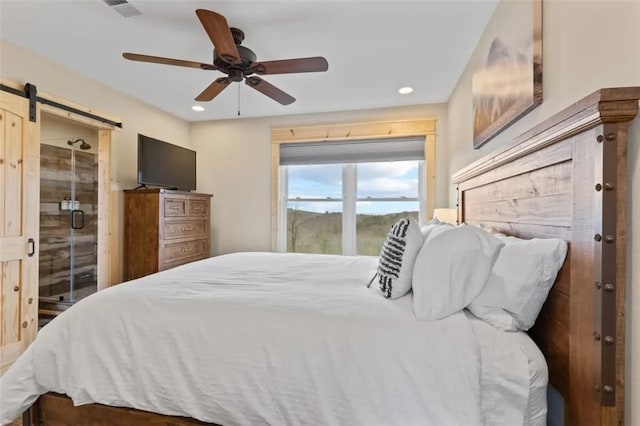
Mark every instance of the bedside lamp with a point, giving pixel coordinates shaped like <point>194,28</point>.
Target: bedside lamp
<point>446,215</point>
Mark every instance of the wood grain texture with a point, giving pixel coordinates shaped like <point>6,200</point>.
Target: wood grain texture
<point>103,231</point>
<point>30,216</point>
<point>58,410</point>
<point>551,180</point>
<point>11,302</point>
<point>13,175</point>
<point>430,174</point>
<point>114,246</point>
<point>55,224</point>
<point>584,407</point>
<point>19,166</point>
<point>546,156</point>
<point>164,229</point>
<point>615,414</point>
<point>141,220</point>
<point>354,131</point>
<point>545,185</point>
<point>539,210</point>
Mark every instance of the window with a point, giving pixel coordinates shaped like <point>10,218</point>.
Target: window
<point>340,198</point>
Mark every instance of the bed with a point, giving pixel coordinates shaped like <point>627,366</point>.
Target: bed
<point>566,178</point>
<point>281,339</point>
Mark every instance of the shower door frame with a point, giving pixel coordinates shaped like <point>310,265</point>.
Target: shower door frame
<point>103,236</point>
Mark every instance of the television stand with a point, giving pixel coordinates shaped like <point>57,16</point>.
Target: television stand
<point>143,186</point>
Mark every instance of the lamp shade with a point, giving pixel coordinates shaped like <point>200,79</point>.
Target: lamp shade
<point>446,215</point>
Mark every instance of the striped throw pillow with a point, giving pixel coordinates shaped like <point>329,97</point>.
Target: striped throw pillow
<point>398,254</point>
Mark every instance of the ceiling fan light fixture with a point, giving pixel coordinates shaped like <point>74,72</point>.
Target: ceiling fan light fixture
<point>198,108</point>
<point>405,90</point>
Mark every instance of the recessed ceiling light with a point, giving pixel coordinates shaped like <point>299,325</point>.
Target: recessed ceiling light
<point>405,90</point>
<point>197,108</point>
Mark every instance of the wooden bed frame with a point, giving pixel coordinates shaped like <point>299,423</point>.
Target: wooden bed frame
<point>565,178</point>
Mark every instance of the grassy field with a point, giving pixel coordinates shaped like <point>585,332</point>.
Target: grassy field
<point>309,232</point>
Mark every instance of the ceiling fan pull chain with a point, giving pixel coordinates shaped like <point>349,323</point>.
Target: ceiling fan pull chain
<point>238,100</point>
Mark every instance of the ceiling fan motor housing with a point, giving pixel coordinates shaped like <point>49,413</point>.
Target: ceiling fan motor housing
<point>247,57</point>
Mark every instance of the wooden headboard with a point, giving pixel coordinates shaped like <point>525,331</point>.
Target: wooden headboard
<point>567,178</point>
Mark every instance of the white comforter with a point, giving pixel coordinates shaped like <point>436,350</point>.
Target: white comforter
<point>278,339</point>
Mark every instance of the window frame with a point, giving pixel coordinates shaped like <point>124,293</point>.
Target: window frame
<point>344,132</point>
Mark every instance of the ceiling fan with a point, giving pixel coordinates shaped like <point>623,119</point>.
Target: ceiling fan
<point>237,61</point>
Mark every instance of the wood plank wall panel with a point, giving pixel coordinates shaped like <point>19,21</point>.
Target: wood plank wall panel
<point>551,180</point>
<point>534,199</point>
<point>55,224</point>
<point>537,210</point>
<point>553,154</point>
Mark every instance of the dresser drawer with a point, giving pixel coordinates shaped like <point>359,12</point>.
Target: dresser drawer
<point>184,228</point>
<point>178,251</point>
<point>175,207</point>
<point>199,207</point>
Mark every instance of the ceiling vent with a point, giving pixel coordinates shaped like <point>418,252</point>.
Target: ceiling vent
<point>123,7</point>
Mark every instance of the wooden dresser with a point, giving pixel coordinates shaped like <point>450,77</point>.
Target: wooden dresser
<point>164,228</point>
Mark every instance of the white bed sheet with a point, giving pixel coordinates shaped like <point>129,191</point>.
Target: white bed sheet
<point>263,338</point>
<point>506,349</point>
<point>536,413</point>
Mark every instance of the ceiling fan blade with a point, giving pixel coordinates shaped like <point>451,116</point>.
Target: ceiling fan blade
<point>270,90</point>
<point>286,66</point>
<point>167,61</point>
<point>218,30</point>
<point>214,89</point>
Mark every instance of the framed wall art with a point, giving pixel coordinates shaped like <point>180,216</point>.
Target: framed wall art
<point>508,82</point>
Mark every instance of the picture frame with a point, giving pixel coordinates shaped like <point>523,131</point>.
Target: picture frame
<point>508,83</point>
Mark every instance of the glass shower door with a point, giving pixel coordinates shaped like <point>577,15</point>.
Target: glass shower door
<point>68,225</point>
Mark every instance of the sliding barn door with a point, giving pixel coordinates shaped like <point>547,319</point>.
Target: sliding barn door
<point>19,211</point>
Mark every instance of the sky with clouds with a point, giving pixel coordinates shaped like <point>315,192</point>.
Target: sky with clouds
<point>376,180</point>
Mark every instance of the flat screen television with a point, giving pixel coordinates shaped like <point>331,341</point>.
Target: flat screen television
<point>166,165</point>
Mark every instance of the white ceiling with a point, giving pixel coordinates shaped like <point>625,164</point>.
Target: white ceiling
<point>373,48</point>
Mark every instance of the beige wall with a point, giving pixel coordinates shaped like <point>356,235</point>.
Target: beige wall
<point>21,66</point>
<point>587,45</point>
<point>234,164</point>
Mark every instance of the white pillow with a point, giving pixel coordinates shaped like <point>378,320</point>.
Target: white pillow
<point>430,226</point>
<point>451,269</point>
<point>520,282</point>
<point>395,264</point>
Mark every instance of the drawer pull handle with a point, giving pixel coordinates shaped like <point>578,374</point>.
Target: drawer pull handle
<point>197,208</point>
<point>186,228</point>
<point>174,207</point>
<point>186,250</point>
